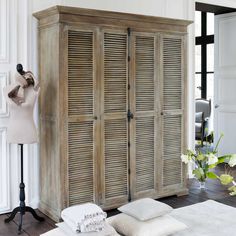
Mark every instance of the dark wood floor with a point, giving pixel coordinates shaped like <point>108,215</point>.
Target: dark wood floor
<point>214,191</point>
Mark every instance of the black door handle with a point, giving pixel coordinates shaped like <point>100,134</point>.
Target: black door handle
<point>130,115</point>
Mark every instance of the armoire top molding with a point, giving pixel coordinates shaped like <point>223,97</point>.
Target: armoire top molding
<point>59,14</point>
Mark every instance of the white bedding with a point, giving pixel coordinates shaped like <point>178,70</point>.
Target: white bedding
<point>59,232</point>
<point>208,218</point>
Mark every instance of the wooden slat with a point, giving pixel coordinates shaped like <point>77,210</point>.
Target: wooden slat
<point>114,121</point>
<point>80,162</point>
<point>173,110</point>
<point>80,73</point>
<point>81,85</point>
<point>116,163</point>
<point>144,78</point>
<point>172,140</point>
<point>145,166</point>
<point>115,72</point>
<point>143,126</point>
<point>172,81</point>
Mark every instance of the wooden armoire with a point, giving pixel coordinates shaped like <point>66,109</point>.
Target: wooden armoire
<point>112,107</point>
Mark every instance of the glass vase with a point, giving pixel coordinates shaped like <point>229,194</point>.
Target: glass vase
<point>202,185</point>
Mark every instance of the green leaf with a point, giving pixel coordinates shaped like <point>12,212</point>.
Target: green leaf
<point>211,175</point>
<point>222,160</point>
<point>212,166</point>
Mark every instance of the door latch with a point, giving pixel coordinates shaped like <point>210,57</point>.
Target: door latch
<point>130,115</point>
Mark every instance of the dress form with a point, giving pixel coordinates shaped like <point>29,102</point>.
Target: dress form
<point>21,128</point>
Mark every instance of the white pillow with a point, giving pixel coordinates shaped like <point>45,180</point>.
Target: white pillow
<point>145,209</point>
<point>160,226</point>
<point>108,231</point>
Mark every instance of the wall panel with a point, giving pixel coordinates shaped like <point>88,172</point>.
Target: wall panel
<point>4,173</point>
<point>4,31</point>
<point>4,80</point>
<point>3,105</point>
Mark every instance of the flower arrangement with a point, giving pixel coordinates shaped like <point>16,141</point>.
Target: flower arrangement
<point>204,164</point>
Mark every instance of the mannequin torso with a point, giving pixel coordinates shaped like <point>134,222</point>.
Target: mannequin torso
<point>21,97</point>
<point>21,127</point>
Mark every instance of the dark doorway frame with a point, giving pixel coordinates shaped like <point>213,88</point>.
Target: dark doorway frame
<point>205,39</point>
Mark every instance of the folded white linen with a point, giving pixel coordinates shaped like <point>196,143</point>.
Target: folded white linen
<point>107,231</point>
<point>84,218</point>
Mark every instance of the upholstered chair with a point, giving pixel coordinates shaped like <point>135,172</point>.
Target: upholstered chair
<point>202,116</point>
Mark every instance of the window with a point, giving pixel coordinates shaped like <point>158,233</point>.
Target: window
<point>204,55</point>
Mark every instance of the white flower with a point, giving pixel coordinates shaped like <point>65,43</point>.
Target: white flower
<point>212,159</point>
<point>185,158</point>
<point>232,161</point>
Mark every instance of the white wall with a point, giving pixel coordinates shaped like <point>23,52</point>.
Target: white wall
<point>148,7</point>
<point>21,47</point>
<point>181,9</point>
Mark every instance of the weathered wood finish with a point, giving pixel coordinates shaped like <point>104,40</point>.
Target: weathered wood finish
<point>50,163</point>
<point>114,126</point>
<point>144,99</point>
<point>88,84</point>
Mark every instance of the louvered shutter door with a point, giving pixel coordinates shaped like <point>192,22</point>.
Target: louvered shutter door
<point>144,93</point>
<point>81,125</point>
<point>173,92</point>
<point>114,127</point>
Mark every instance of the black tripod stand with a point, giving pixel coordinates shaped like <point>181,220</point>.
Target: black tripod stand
<point>22,209</point>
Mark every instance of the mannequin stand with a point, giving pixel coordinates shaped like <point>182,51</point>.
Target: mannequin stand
<point>22,209</point>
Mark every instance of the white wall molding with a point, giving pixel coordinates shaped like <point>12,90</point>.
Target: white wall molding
<point>5,201</point>
<point>20,51</point>
<point>4,81</point>
<point>4,173</point>
<point>4,31</point>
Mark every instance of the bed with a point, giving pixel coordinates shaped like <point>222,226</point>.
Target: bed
<point>208,218</point>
